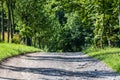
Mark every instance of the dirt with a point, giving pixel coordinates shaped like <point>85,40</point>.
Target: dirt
<point>56,66</point>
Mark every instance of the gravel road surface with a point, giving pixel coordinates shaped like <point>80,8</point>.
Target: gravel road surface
<point>55,66</point>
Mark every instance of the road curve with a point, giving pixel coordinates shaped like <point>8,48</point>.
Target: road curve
<point>55,66</point>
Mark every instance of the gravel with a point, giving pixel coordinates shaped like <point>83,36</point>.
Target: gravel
<point>55,66</point>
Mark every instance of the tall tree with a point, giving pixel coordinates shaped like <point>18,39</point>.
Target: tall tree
<point>103,23</point>
<point>2,21</point>
<point>9,19</point>
<point>119,14</point>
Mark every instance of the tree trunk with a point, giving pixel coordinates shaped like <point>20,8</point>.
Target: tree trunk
<point>13,24</point>
<point>34,41</point>
<point>12,21</point>
<point>28,41</point>
<point>39,42</point>
<point>34,38</point>
<point>119,22</point>
<point>2,22</point>
<point>109,42</point>
<point>103,26</point>
<point>119,16</point>
<point>9,19</point>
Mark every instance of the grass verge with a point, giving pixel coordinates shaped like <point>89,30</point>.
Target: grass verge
<point>110,56</point>
<point>8,50</point>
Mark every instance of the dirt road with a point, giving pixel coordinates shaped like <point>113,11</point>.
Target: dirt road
<point>55,66</point>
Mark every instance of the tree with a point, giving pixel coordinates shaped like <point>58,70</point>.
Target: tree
<point>119,14</point>
<point>2,21</point>
<point>64,25</point>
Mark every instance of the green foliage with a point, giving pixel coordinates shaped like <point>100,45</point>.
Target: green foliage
<point>26,31</point>
<point>16,39</point>
<point>66,25</point>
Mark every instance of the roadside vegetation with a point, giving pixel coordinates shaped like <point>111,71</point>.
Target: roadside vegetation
<point>110,56</point>
<point>9,50</point>
<point>61,25</point>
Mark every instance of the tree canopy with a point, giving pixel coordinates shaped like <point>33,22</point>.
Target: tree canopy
<point>61,25</point>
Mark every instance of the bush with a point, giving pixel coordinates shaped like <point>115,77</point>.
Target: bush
<point>16,38</point>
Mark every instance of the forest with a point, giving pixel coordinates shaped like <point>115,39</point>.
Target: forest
<point>61,25</point>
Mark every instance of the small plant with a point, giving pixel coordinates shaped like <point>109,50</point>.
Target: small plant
<point>16,38</point>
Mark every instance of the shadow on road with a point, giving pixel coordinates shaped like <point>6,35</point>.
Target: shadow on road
<point>10,78</point>
<point>56,72</point>
<point>59,72</point>
<point>65,58</point>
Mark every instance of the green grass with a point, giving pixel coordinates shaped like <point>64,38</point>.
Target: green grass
<point>110,56</point>
<point>9,50</point>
